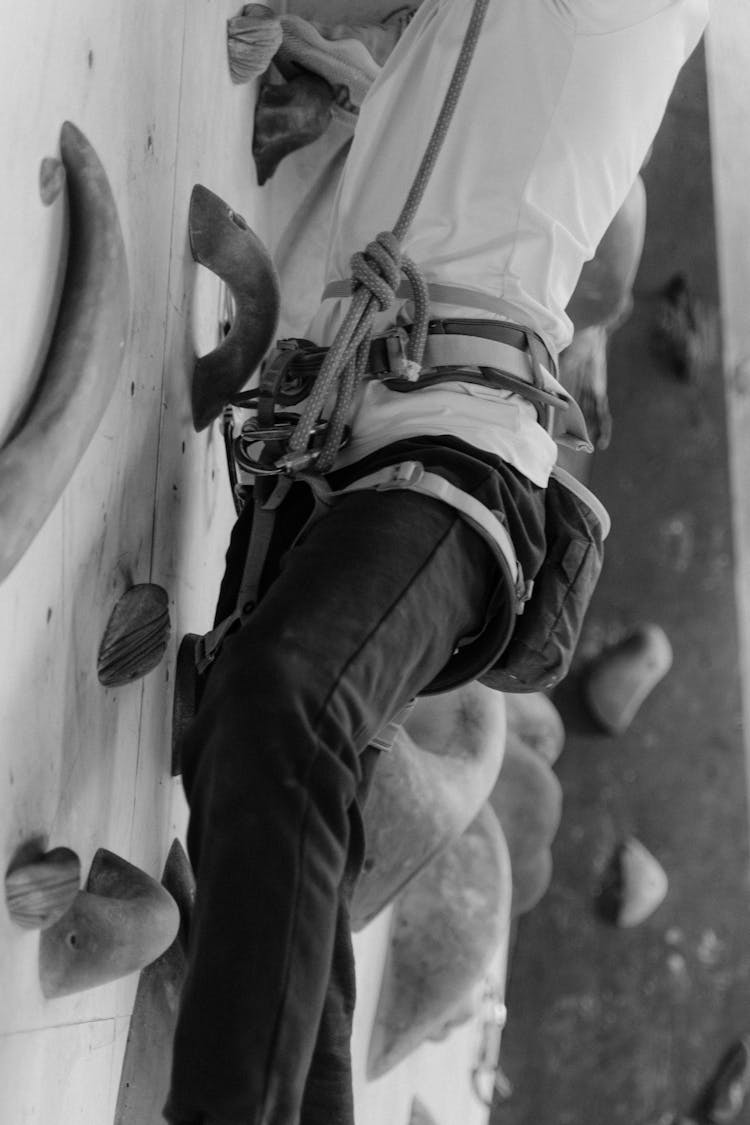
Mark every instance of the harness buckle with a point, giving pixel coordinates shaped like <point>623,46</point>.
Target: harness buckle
<point>524,590</point>
<point>404,475</point>
<point>389,356</point>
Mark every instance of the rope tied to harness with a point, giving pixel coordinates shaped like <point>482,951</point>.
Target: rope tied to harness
<point>376,274</point>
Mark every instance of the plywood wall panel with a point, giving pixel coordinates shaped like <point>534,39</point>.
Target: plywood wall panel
<point>69,747</point>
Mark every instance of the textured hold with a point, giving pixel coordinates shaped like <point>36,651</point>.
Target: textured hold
<point>42,891</point>
<point>420,1114</point>
<point>534,720</point>
<point>253,38</point>
<point>288,117</point>
<point>144,1082</point>
<point>618,681</point>
<point>725,1095</point>
<point>136,635</point>
<point>123,921</point>
<point>428,789</point>
<point>633,886</point>
<point>447,928</point>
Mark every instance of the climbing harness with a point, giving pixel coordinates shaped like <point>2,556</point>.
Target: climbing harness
<point>289,453</point>
<point>300,380</point>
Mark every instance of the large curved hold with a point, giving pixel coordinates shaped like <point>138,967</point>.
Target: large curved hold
<point>448,925</point>
<point>221,240</point>
<point>83,361</point>
<point>428,789</point>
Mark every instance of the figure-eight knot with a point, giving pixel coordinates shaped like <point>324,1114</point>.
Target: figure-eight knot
<point>378,268</point>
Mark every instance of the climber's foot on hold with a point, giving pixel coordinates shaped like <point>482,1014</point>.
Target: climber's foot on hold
<point>288,117</point>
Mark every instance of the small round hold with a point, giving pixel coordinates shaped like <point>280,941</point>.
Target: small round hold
<point>633,886</point>
<point>51,179</point>
<point>618,681</point>
<point>39,893</point>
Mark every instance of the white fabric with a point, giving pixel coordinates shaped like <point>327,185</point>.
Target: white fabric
<point>561,103</point>
<point>499,422</point>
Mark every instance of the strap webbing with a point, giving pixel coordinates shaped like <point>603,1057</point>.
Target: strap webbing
<point>439,294</point>
<point>413,476</point>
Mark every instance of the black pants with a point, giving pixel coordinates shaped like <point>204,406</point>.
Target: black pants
<point>366,611</point>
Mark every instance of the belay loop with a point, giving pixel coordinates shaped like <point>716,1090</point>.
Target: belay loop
<point>376,275</point>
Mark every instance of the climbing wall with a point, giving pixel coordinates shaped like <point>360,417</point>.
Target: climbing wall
<point>628,1025</point>
<point>84,766</point>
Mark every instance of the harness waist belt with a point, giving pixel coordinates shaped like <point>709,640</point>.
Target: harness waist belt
<point>450,350</point>
<point>491,331</point>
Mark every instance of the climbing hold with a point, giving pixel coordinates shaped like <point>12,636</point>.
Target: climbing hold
<point>221,240</point>
<point>136,635</point>
<point>253,38</point>
<point>83,360</point>
<point>725,1096</point>
<point>634,884</point>
<point>420,1114</point>
<point>618,681</point>
<point>527,798</point>
<point>534,720</point>
<point>427,789</point>
<point>120,923</point>
<point>289,116</point>
<point>144,1081</point>
<point>685,334</point>
<point>40,891</point>
<point>448,925</point>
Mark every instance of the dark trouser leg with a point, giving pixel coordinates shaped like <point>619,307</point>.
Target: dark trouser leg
<point>328,1096</point>
<point>365,613</point>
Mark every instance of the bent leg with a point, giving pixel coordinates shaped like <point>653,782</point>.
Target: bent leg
<point>365,613</point>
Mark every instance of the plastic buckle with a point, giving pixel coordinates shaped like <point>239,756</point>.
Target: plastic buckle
<point>207,646</point>
<point>396,344</point>
<point>524,590</point>
<point>405,475</point>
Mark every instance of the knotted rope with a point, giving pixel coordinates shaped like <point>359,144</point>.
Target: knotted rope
<point>376,274</point>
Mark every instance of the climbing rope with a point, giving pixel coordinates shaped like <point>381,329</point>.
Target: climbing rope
<point>376,274</point>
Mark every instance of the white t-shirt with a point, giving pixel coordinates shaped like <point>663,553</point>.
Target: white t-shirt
<point>561,103</point>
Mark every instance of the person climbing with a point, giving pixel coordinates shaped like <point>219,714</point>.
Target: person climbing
<point>405,584</point>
